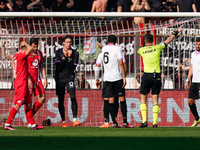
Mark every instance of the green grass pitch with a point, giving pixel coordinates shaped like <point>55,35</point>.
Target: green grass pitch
<point>93,138</point>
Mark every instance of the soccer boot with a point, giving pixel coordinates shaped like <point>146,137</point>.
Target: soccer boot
<point>8,127</point>
<point>126,125</point>
<point>105,125</point>
<point>37,127</point>
<point>116,126</point>
<point>76,123</point>
<point>64,124</point>
<point>195,123</point>
<point>155,126</point>
<point>143,125</point>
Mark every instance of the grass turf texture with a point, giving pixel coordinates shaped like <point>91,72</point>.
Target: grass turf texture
<point>86,138</point>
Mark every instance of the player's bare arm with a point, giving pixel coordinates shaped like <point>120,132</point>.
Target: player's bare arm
<point>42,70</point>
<point>97,69</point>
<point>169,39</point>
<point>8,57</point>
<point>188,78</point>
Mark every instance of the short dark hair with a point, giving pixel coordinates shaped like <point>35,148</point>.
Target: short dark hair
<point>66,37</point>
<point>112,38</point>
<point>23,47</point>
<point>197,39</point>
<point>148,38</point>
<point>34,40</point>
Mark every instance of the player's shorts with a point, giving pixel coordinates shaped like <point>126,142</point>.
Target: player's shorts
<point>69,85</point>
<point>114,89</point>
<point>104,91</point>
<point>20,93</point>
<point>150,83</point>
<point>194,91</point>
<point>38,88</point>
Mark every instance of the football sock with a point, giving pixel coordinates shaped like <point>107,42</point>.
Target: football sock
<point>36,106</point>
<point>143,109</point>
<point>124,111</point>
<point>193,109</point>
<point>29,115</point>
<point>112,112</point>
<point>106,111</point>
<point>155,113</point>
<point>116,106</point>
<point>11,115</point>
<point>61,107</point>
<point>74,107</point>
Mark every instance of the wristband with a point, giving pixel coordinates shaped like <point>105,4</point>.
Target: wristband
<point>187,80</point>
<point>175,32</point>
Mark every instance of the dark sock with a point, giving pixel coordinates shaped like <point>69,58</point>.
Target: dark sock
<point>116,106</point>
<point>193,109</point>
<point>74,107</point>
<point>112,112</point>
<point>124,111</point>
<point>61,107</point>
<point>106,111</point>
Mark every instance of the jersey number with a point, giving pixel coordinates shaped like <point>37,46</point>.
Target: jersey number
<point>105,57</point>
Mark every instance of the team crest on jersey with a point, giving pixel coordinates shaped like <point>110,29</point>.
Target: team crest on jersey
<point>35,62</point>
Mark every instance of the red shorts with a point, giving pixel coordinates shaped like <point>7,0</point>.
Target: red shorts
<point>38,88</point>
<point>22,95</point>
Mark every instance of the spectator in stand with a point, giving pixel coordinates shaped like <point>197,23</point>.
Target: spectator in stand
<point>35,6</point>
<point>186,6</point>
<point>19,6</point>
<point>169,7</point>
<point>6,5</point>
<point>155,5</point>
<point>99,6</point>
<point>123,5</point>
<point>197,3</point>
<point>62,5</point>
<point>140,6</point>
<point>82,5</point>
<point>81,82</point>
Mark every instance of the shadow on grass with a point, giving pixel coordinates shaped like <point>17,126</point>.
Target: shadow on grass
<point>98,143</point>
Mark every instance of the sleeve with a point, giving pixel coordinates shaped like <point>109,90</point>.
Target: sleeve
<point>99,59</point>
<point>22,55</point>
<point>139,51</point>
<point>191,59</point>
<point>124,60</point>
<point>162,45</point>
<point>76,58</point>
<point>119,55</point>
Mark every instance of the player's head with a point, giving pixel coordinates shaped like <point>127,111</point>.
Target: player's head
<point>67,41</point>
<point>81,76</point>
<point>112,39</point>
<point>34,43</point>
<point>23,48</point>
<point>197,43</point>
<point>148,38</point>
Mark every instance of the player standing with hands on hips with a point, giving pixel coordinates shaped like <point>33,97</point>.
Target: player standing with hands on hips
<point>194,72</point>
<point>66,60</point>
<point>151,80</point>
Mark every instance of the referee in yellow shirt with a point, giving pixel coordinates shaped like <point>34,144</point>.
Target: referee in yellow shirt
<point>151,80</point>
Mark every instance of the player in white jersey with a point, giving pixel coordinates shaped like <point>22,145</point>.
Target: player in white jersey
<point>114,77</point>
<point>194,72</point>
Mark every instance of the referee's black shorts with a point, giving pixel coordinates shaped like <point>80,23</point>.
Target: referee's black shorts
<point>194,91</point>
<point>150,83</point>
<point>113,89</point>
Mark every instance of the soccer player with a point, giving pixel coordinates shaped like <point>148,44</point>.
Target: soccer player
<point>151,80</point>
<point>66,60</point>
<point>21,87</point>
<point>194,72</point>
<point>35,66</point>
<point>114,78</point>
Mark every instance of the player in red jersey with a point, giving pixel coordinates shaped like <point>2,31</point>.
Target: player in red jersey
<point>21,87</point>
<point>35,66</point>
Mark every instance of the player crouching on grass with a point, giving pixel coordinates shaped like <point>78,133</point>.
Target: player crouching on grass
<point>194,72</point>
<point>151,80</point>
<point>21,88</point>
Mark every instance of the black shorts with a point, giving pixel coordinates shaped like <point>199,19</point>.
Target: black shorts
<point>69,85</point>
<point>194,91</point>
<point>113,89</point>
<point>104,91</point>
<point>150,83</point>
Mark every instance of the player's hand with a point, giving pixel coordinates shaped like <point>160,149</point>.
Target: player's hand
<point>4,43</point>
<point>23,43</point>
<point>186,85</point>
<point>45,84</point>
<point>124,82</point>
<point>98,84</point>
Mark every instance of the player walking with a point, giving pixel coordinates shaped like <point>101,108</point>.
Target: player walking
<point>151,80</point>
<point>66,60</point>
<point>194,72</point>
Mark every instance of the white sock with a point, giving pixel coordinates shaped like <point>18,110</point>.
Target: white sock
<point>74,119</point>
<point>64,121</point>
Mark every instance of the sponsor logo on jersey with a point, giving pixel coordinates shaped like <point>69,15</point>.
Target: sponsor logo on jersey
<point>35,62</point>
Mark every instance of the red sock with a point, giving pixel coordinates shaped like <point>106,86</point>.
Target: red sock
<point>11,115</point>
<point>36,106</point>
<point>29,115</point>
